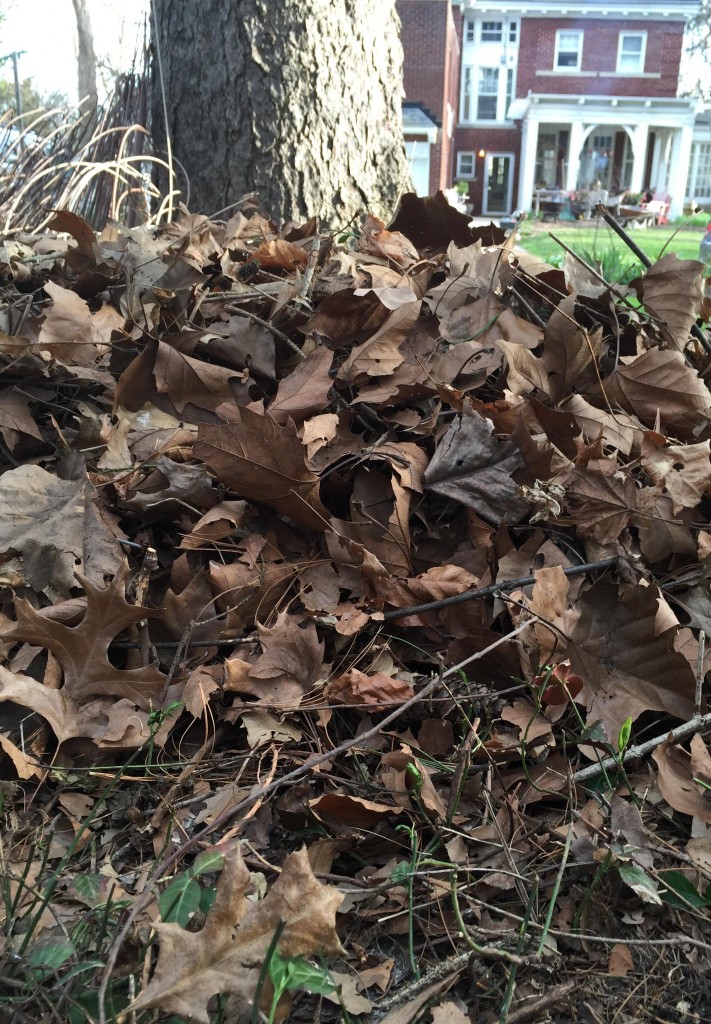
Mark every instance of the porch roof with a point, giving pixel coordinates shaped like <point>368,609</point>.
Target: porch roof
<point>664,111</point>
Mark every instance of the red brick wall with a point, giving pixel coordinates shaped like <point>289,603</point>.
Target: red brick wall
<point>537,52</point>
<point>494,140</point>
<point>431,70</point>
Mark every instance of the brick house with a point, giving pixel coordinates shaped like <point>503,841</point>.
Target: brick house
<point>512,95</point>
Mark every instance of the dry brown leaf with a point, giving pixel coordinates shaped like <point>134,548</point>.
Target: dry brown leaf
<point>362,689</point>
<point>620,963</point>
<point>684,470</point>
<point>472,466</point>
<point>71,333</point>
<point>304,391</point>
<point>227,954</point>
<point>676,782</point>
<point>628,668</point>
<point>278,254</point>
<point>393,245</point>
<point>263,461</point>
<point>82,650</point>
<point>659,383</point>
<point>341,810</point>
<point>58,527</point>
<point>671,290</point>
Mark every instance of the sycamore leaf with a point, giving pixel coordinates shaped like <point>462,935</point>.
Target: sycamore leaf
<point>228,953</point>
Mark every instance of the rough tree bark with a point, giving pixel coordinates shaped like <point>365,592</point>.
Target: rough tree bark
<point>296,99</point>
<point>86,59</point>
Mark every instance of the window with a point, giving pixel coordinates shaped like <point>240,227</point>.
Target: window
<point>513,31</point>
<point>509,90</point>
<point>492,31</point>
<point>568,50</point>
<point>467,94</point>
<point>469,33</point>
<point>488,94</point>
<point>698,185</point>
<point>465,165</point>
<point>630,51</point>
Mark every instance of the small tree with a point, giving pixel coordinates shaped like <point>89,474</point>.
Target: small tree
<point>298,99</point>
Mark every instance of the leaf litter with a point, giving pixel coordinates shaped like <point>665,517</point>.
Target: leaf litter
<point>355,592</point>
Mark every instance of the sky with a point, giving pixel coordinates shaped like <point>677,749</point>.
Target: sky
<point>48,37</point>
<point>46,31</point>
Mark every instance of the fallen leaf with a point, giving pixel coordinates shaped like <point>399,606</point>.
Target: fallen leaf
<point>227,954</point>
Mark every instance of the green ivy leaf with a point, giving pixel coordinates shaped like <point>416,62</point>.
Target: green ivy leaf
<point>297,974</point>
<point>207,862</point>
<point>48,953</point>
<point>681,891</point>
<point>179,900</point>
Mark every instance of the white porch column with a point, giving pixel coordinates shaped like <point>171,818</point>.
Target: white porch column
<point>656,157</point>
<point>640,136</point>
<point>527,169</point>
<point>577,134</point>
<point>662,180</point>
<point>679,169</point>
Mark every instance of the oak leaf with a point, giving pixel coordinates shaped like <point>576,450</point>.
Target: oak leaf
<point>671,291</point>
<point>82,650</point>
<point>227,955</point>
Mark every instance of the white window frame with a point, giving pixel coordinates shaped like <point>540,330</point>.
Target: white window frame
<point>501,29</point>
<point>497,94</point>
<point>466,175</point>
<point>469,30</point>
<point>642,54</point>
<point>570,68</point>
<point>512,32</point>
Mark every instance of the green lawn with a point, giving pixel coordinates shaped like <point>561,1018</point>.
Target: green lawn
<point>600,242</point>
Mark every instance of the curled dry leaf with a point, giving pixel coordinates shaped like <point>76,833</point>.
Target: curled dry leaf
<point>228,953</point>
<point>676,782</point>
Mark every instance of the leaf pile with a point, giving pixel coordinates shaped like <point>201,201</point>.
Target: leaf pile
<point>250,477</point>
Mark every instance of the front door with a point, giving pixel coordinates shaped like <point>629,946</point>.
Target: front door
<point>499,183</point>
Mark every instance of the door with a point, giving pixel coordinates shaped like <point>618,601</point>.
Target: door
<point>499,182</point>
<point>418,155</point>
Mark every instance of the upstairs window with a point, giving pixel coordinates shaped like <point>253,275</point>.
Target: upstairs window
<point>568,50</point>
<point>469,32</point>
<point>513,31</point>
<point>487,98</point>
<point>630,52</point>
<point>467,94</point>
<point>492,31</point>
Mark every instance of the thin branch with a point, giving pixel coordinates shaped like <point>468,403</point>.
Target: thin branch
<point>671,736</point>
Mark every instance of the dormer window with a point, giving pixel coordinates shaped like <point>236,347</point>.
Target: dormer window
<point>630,52</point>
<point>568,50</point>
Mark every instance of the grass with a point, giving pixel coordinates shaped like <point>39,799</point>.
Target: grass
<point>600,241</point>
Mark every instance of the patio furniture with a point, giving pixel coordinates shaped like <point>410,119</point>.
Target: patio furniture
<point>639,216</point>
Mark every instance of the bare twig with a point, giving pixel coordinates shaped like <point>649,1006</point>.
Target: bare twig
<point>259,793</point>
<point>672,736</point>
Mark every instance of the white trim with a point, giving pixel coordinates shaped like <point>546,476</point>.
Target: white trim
<point>581,42</point>
<point>574,72</point>
<point>633,9</point>
<point>487,171</point>
<point>642,54</point>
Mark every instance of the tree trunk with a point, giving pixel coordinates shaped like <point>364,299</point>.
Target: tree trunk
<point>86,59</point>
<point>296,99</point>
